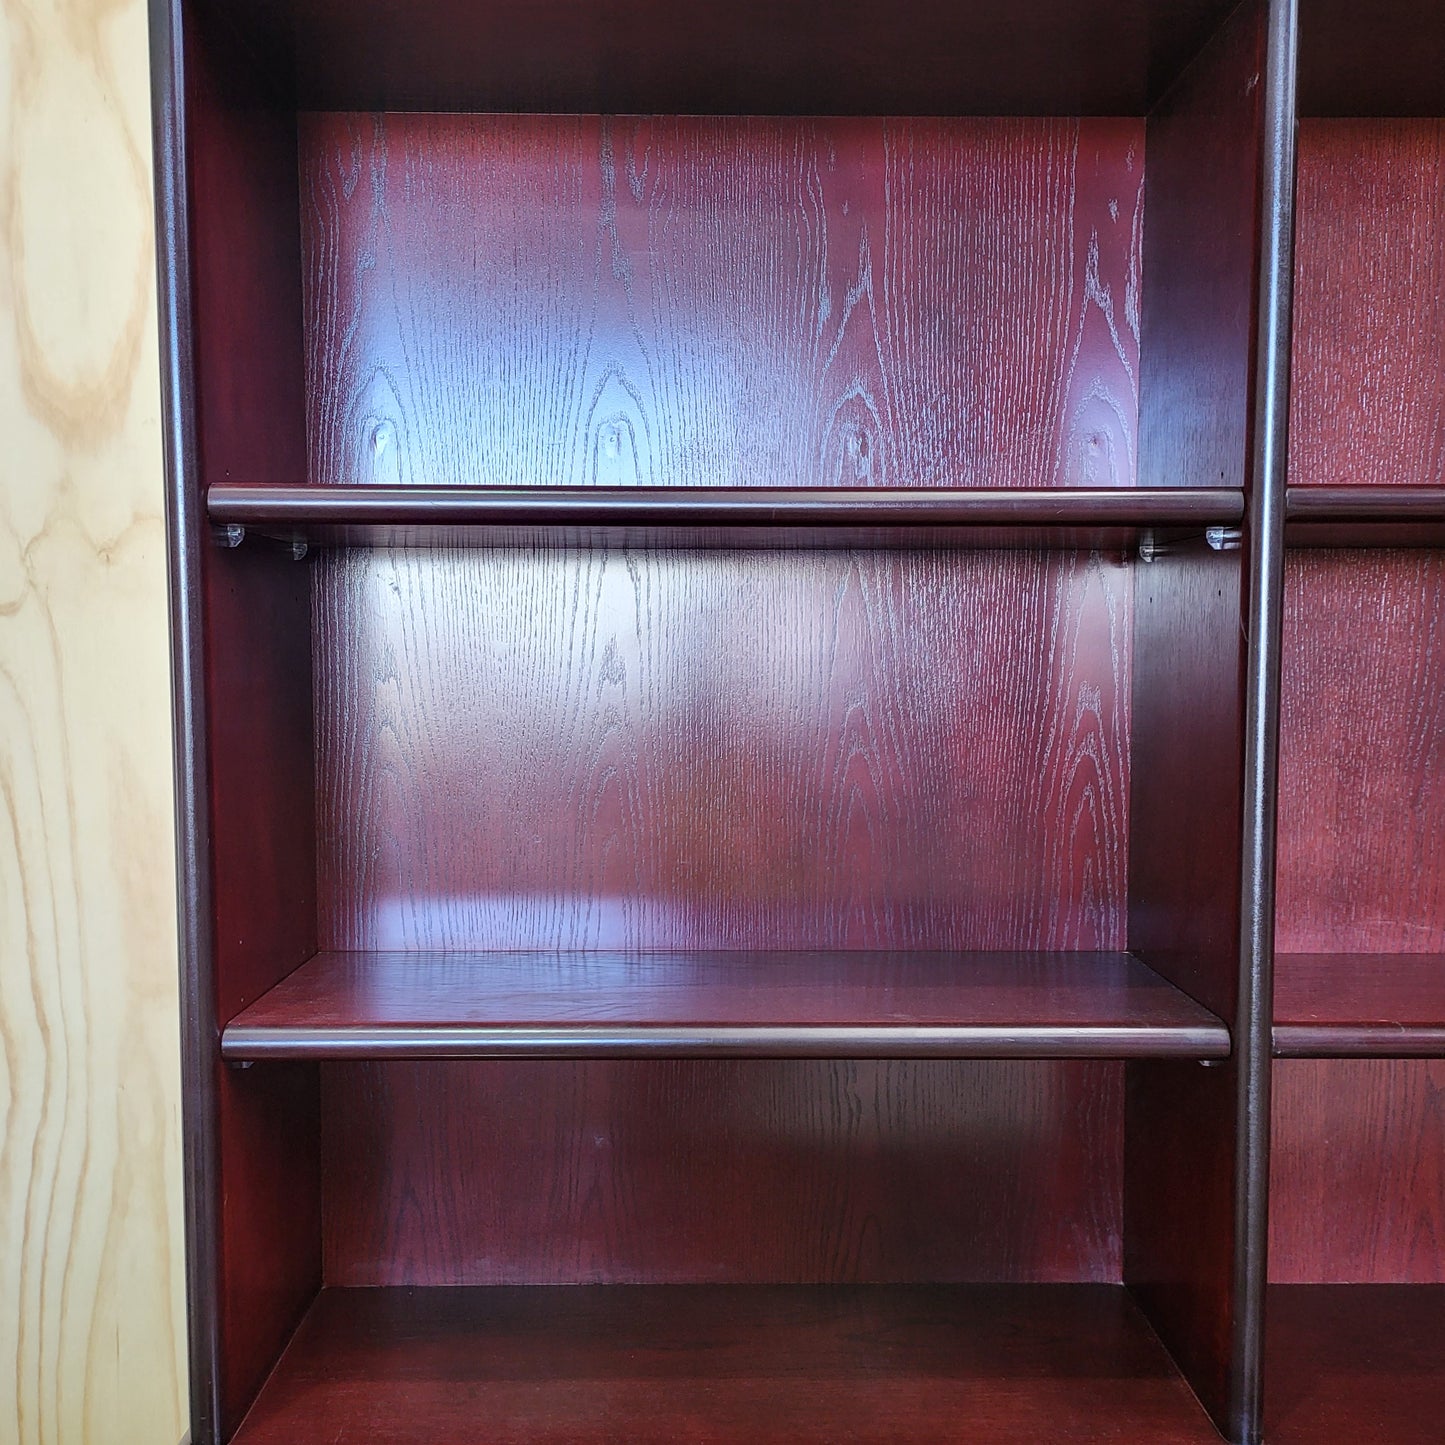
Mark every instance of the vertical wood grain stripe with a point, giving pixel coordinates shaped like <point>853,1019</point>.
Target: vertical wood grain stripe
<point>91,1305</point>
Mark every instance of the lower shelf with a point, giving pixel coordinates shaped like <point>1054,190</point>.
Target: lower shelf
<point>995,1364</point>
<point>1357,1363</point>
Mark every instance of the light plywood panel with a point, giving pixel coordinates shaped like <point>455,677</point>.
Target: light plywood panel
<point>91,1281</point>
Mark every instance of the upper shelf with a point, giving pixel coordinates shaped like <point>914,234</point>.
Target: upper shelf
<point>757,1004</point>
<point>1384,58</point>
<point>1368,516</point>
<point>916,57</point>
<point>721,516</point>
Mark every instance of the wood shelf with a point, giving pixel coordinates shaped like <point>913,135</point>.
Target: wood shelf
<point>1094,57</point>
<point>820,517</point>
<point>1353,1005</point>
<point>765,1004</point>
<point>1365,516</point>
<point>724,1364</point>
<point>1355,1362</point>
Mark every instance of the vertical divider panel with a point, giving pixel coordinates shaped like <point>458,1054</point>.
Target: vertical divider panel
<point>230,286</point>
<point>1215,347</point>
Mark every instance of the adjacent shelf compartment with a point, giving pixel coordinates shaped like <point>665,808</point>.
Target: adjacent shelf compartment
<point>727,1364</point>
<point>763,1003</point>
<point>720,516</point>
<point>1355,1362</point>
<point>1353,1005</point>
<point>1365,516</point>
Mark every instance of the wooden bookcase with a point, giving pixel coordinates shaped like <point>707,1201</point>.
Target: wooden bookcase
<point>732,614</point>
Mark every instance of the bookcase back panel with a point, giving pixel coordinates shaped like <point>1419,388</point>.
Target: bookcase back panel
<point>1367,404</point>
<point>1362,754</point>
<point>1357,1179</point>
<point>827,1171</point>
<point>722,750</point>
<point>722,300</point>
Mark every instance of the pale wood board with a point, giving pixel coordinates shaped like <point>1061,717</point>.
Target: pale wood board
<point>91,1277</point>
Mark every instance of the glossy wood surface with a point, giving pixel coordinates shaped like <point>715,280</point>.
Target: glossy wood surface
<point>1339,1004</point>
<point>1362,754</point>
<point>1360,1364</point>
<point>722,301</point>
<point>1357,1191</point>
<point>746,56</point>
<point>727,1365</point>
<point>759,1004</point>
<point>721,1171</point>
<point>1368,395</point>
<point>719,750</point>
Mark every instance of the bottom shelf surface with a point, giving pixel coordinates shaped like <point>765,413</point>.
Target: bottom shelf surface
<point>1361,1363</point>
<point>675,1363</point>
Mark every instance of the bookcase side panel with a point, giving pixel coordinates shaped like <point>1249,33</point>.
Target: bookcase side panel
<point>253,750</point>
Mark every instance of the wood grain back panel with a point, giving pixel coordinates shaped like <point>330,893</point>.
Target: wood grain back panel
<point>721,1171</point>
<point>722,750</point>
<point>1362,754</point>
<point>528,300</point>
<point>1367,403</point>
<point>1357,1178</point>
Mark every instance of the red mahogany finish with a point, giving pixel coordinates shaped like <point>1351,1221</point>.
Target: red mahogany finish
<point>1365,516</point>
<point>1357,1227</point>
<point>793,564</point>
<point>918,57</point>
<point>752,1365</point>
<point>1068,519</point>
<point>1389,61</point>
<point>1368,395</point>
<point>721,750</point>
<point>836,1171</point>
<point>1331,1005</point>
<point>1360,1364</point>
<point>1194,1213</point>
<point>254,1239</point>
<point>722,301</point>
<point>1358,1172</point>
<point>862,1004</point>
<point>1362,754</point>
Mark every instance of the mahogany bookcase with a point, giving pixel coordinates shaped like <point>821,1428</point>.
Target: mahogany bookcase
<point>750,590</point>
